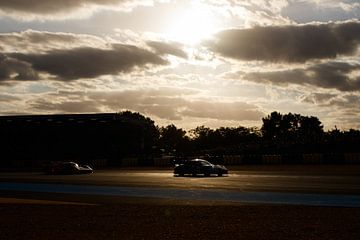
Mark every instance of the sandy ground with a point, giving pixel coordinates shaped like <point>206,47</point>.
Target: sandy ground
<point>9,200</point>
<point>142,219</point>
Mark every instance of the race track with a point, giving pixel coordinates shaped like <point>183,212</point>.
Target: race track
<point>311,185</point>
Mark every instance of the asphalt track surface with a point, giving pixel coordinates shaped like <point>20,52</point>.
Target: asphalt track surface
<point>302,185</point>
<point>27,213</point>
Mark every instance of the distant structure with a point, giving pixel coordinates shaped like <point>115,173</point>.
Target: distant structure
<point>34,140</point>
<point>59,118</point>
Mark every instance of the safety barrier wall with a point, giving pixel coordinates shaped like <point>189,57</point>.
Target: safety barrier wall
<point>232,160</point>
<point>18,163</point>
<point>352,157</point>
<point>227,160</point>
<point>271,159</point>
<point>313,158</point>
<point>334,158</point>
<point>98,163</point>
<point>129,162</point>
<point>266,159</point>
<point>162,162</point>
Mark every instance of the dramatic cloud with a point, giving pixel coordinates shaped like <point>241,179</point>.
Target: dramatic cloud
<point>319,98</point>
<point>170,104</point>
<point>295,43</point>
<point>82,56</point>
<point>337,75</point>
<point>31,41</point>
<point>255,5</point>
<point>250,12</point>
<point>168,48</point>
<point>350,102</point>
<point>342,109</point>
<point>29,54</point>
<point>14,69</point>
<point>347,103</point>
<point>66,106</point>
<point>85,62</point>
<point>8,98</point>
<point>237,111</point>
<point>27,9</point>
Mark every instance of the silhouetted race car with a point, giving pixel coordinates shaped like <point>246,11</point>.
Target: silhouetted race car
<point>67,168</point>
<point>199,166</point>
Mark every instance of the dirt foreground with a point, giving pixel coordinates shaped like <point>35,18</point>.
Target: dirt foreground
<point>183,220</point>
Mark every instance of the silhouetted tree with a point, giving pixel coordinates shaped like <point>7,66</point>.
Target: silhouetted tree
<point>340,141</point>
<point>310,130</point>
<point>142,129</point>
<point>231,136</point>
<point>271,128</point>
<point>291,128</point>
<point>223,138</point>
<point>204,137</point>
<point>173,138</point>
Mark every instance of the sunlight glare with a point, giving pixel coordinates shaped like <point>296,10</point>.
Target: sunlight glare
<point>192,25</point>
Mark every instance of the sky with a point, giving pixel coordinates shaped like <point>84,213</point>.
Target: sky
<point>189,63</point>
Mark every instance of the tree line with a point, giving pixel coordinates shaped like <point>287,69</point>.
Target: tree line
<point>130,134</point>
<point>279,133</point>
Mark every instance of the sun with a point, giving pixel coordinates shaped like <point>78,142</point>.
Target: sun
<point>192,25</point>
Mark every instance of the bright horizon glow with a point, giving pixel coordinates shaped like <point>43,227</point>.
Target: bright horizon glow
<point>192,25</point>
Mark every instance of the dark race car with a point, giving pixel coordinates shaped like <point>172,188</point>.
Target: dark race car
<point>67,168</point>
<point>199,166</point>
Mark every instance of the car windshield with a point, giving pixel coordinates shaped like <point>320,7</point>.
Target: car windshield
<point>71,164</point>
<point>205,163</point>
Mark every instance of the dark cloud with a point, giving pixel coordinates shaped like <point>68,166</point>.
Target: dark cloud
<point>52,6</point>
<point>87,62</point>
<point>14,69</point>
<point>350,102</point>
<point>168,48</point>
<point>344,106</point>
<point>295,43</point>
<point>336,75</point>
